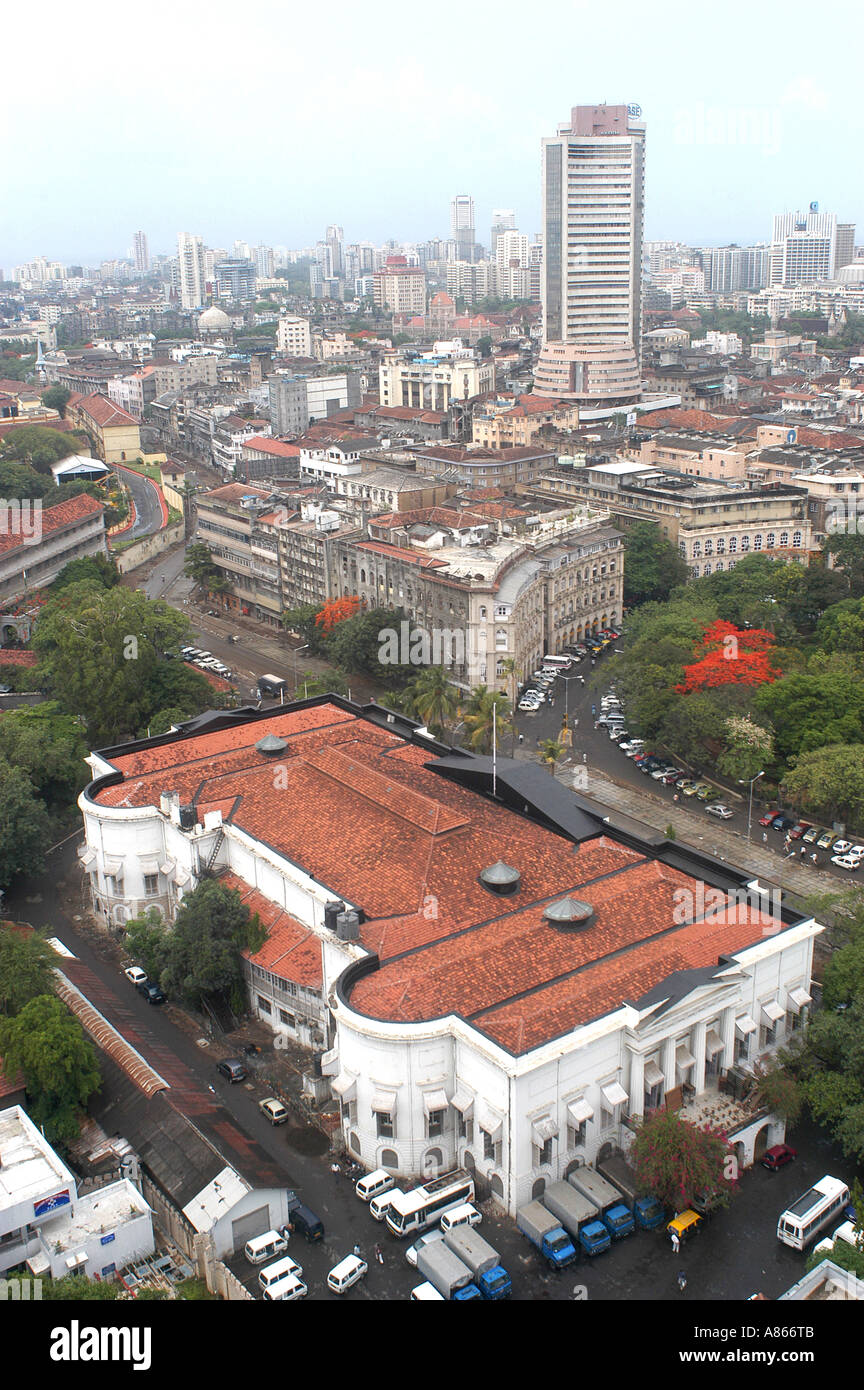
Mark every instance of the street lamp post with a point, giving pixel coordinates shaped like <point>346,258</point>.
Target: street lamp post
<point>295,651</point>
<point>742,782</point>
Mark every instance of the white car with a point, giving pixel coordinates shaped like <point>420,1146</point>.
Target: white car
<point>720,811</point>
<point>842,847</point>
<point>135,974</point>
<point>852,862</point>
<point>429,1239</point>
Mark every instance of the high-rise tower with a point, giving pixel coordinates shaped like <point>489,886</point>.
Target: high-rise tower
<point>462,226</point>
<point>190,255</point>
<point>593,212</point>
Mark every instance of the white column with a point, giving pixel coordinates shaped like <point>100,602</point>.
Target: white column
<point>637,1083</point>
<point>698,1049</point>
<point>668,1064</point>
<point>728,1035</point>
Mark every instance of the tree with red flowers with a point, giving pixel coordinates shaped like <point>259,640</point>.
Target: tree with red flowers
<point>674,1160</point>
<point>730,655</point>
<point>335,611</point>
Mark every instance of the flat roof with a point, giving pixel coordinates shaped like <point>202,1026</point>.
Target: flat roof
<point>29,1167</point>
<point>383,821</point>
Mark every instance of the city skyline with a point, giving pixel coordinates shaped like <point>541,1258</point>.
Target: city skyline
<point>723,159</point>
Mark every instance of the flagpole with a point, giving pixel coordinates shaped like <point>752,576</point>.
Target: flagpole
<point>494,748</point>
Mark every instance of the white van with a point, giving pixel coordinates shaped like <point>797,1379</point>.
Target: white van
<point>379,1206</point>
<point>846,1233</point>
<point>279,1270</point>
<point>265,1247</point>
<point>286,1290</point>
<point>373,1184</point>
<point>463,1215</point>
<point>427,1293</point>
<point>346,1273</point>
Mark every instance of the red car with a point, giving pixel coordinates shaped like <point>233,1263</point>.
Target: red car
<point>769,817</point>
<point>778,1157</point>
<point>798,830</point>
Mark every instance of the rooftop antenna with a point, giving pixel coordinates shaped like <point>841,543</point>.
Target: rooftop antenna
<point>494,748</point>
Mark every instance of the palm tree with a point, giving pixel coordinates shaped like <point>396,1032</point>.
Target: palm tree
<point>434,699</point>
<point>508,669</point>
<point>478,718</point>
<point>551,752</point>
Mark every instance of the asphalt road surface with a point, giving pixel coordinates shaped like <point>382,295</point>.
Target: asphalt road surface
<point>148,510</point>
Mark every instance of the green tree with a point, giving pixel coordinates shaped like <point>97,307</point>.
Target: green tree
<point>77,1288</point>
<point>748,749</point>
<point>302,621</point>
<point>435,699</point>
<point>780,1091</point>
<point>330,683</point>
<point>48,1045</point>
<point>102,656</point>
<point>829,782</point>
<point>204,946</point>
<point>200,566</point>
<point>841,627</point>
<point>653,566</point>
<point>847,553</point>
<point>38,447</point>
<point>94,569</point>
<point>56,398</point>
<point>147,939</point>
<point>551,753</point>
<point>810,711</point>
<point>24,825</point>
<point>673,1160</point>
<point>357,645</point>
<point>484,346</point>
<point>26,969</point>
<point>485,710</point>
<point>48,747</point>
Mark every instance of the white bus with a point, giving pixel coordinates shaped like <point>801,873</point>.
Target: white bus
<point>423,1206</point>
<point>818,1208</point>
<point>562,663</point>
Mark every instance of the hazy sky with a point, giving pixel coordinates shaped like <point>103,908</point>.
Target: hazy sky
<point>267,123</point>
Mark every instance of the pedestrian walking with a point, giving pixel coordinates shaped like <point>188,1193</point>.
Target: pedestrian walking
<point>335,1169</point>
<point>379,1254</point>
<point>764,837</point>
<point>676,1242</point>
<point>584,757</point>
<point>675,797</point>
<point>357,1251</point>
<point>815,857</point>
<point>593,709</point>
<point>682,1281</point>
<point>802,851</point>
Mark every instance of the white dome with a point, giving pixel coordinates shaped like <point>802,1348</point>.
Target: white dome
<point>851,274</point>
<point>214,320</point>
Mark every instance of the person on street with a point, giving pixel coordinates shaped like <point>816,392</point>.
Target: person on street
<point>676,1242</point>
<point>379,1254</point>
<point>357,1251</point>
<point>764,837</point>
<point>682,1281</point>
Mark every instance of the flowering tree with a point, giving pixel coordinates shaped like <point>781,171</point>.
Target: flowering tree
<point>749,747</point>
<point>335,611</point>
<point>729,655</point>
<point>673,1160</point>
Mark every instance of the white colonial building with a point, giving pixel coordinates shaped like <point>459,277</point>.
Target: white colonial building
<point>495,975</point>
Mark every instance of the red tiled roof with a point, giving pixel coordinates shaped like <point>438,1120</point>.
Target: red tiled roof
<point>363,813</point>
<point>104,412</point>
<point>233,492</point>
<point>262,445</point>
<point>413,557</point>
<point>56,519</point>
<point>11,656</point>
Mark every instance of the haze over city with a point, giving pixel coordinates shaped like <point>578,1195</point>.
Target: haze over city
<point>270,125</point>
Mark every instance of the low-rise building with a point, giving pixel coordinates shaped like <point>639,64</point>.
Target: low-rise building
<point>113,432</point>
<point>434,380</point>
<point>36,544</point>
<point>503,981</point>
<point>240,525</point>
<point>475,466</point>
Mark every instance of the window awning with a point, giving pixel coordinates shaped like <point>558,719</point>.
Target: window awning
<point>684,1057</point>
<point>580,1112</point>
<point>113,867</point>
<point>773,1010</point>
<point>653,1075</point>
<point>384,1102</point>
<point>330,1062</point>
<point>494,1126</point>
<point>799,998</point>
<point>744,1025</point>
<point>183,876</point>
<point>149,864</point>
<point>463,1101</point>
<point>86,855</point>
<point>434,1101</point>
<point>168,868</point>
<point>543,1129</point>
<point>713,1043</point>
<point>345,1087</point>
<point>615,1094</point>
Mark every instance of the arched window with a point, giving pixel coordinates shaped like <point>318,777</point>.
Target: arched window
<point>733,544</point>
<point>389,1158</point>
<point>362,576</point>
<point>757,542</point>
<point>709,547</point>
<point>721,545</point>
<point>482,613</point>
<point>745,542</point>
<point>784,537</point>
<point>796,537</point>
<point>770,540</point>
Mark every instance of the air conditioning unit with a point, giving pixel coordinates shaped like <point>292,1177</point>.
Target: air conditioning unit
<point>188,817</point>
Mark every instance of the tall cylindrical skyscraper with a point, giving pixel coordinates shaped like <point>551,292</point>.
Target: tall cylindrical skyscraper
<point>593,213</point>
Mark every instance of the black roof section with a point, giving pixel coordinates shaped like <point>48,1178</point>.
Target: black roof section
<point>523,787</point>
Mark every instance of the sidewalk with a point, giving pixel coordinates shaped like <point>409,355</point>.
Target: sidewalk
<point>713,837</point>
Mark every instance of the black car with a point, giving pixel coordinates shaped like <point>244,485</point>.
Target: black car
<point>152,993</point>
<point>784,823</point>
<point>232,1069</point>
<point>301,1218</point>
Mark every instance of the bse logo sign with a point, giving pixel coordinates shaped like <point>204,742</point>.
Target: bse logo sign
<point>634,111</point>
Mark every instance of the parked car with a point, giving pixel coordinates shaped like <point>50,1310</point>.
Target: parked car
<point>151,992</point>
<point>826,839</point>
<point>778,1156</point>
<point>232,1069</point>
<point>661,773</point>
<point>273,1110</point>
<point>841,846</point>
<point>783,823</point>
<point>852,862</point>
<point>769,817</point>
<point>689,788</point>
<point>617,734</point>
<point>811,835</point>
<point>670,777</point>
<point>136,975</point>
<point>704,791</point>
<point>799,830</point>
<point>720,811</point>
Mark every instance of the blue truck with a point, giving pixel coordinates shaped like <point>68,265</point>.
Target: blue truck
<point>547,1235</point>
<point>578,1215</point>
<point>649,1213</point>
<point>614,1212</point>
<point>482,1259</point>
<point>447,1273</point>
